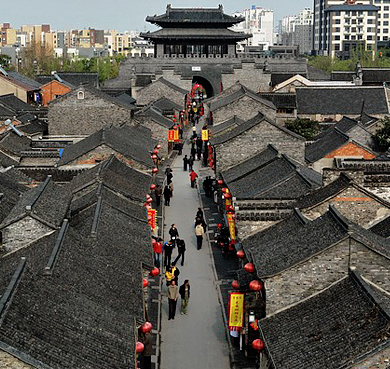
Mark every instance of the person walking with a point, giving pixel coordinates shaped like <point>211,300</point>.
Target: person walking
<point>199,213</point>
<point>190,163</point>
<point>176,273</point>
<point>181,248</point>
<point>168,248</point>
<point>169,275</point>
<point>184,292</point>
<point>173,295</point>
<point>193,177</point>
<point>167,195</point>
<point>147,339</point>
<point>157,250</point>
<point>174,233</point>
<point>199,232</point>
<point>158,193</point>
<point>169,177</point>
<point>185,163</point>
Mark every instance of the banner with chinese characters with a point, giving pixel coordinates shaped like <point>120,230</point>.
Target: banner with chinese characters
<point>152,215</point>
<point>236,310</point>
<point>205,134</point>
<point>232,226</point>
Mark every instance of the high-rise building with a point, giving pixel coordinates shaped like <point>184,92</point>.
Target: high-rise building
<point>341,26</point>
<point>259,23</point>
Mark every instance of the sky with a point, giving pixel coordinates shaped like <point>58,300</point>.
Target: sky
<point>121,15</point>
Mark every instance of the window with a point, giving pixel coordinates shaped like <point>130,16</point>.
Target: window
<point>379,23</point>
<point>370,21</point>
<point>348,13</point>
<point>353,37</point>
<point>360,37</point>
<point>386,15</point>
<point>385,23</point>
<point>385,30</point>
<point>347,37</point>
<point>386,7</point>
<point>370,12</point>
<point>80,95</point>
<point>337,21</point>
<point>369,29</point>
<point>337,29</point>
<point>353,29</point>
<point>385,38</point>
<point>353,21</point>
<point>337,38</point>
<point>337,14</point>
<point>354,13</point>
<point>369,47</point>
<point>369,38</point>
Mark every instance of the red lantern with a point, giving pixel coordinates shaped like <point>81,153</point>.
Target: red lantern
<point>145,283</point>
<point>139,347</point>
<point>228,196</point>
<point>154,272</point>
<point>158,147</point>
<point>240,254</point>
<point>255,286</point>
<point>154,157</point>
<point>258,344</point>
<point>155,151</point>
<point>236,285</point>
<point>149,200</point>
<point>148,206</point>
<point>154,170</point>
<point>152,187</point>
<point>224,190</point>
<point>220,182</point>
<point>249,267</point>
<point>219,225</point>
<point>230,207</point>
<point>146,327</point>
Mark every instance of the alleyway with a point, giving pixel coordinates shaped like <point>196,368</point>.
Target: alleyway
<point>196,340</point>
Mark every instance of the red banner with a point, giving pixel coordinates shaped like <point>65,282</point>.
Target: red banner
<point>152,215</point>
<point>171,135</point>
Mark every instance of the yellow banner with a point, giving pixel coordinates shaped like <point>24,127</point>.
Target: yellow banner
<point>232,226</point>
<point>205,134</point>
<point>236,309</point>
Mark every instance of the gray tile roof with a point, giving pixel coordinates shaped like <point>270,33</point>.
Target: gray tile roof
<point>226,125</point>
<point>117,176</point>
<point>376,75</point>
<point>330,142</point>
<point>236,95</point>
<point>332,329</point>
<point>324,193</point>
<point>341,75</point>
<point>73,78</point>
<point>172,86</point>
<point>314,74</point>
<point>352,7</point>
<point>194,15</point>
<point>48,203</point>
<point>166,106</point>
<point>268,176</point>
<point>195,33</point>
<point>14,144</point>
<point>258,119</point>
<point>11,102</point>
<point>23,80</point>
<point>345,100</point>
<point>382,228</point>
<point>280,100</point>
<point>134,143</point>
<point>275,249</point>
<point>156,115</point>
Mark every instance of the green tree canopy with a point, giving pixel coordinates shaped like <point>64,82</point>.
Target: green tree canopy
<point>304,127</point>
<point>382,136</point>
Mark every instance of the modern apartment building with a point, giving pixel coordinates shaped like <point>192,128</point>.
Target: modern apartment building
<point>342,26</point>
<point>259,23</point>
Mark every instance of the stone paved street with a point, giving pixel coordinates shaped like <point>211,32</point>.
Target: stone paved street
<point>196,340</point>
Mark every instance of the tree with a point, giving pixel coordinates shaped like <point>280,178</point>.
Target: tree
<point>5,62</point>
<point>304,127</point>
<point>382,136</point>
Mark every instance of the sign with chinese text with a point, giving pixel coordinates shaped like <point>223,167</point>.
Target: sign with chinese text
<point>232,226</point>
<point>152,215</point>
<point>236,310</point>
<point>205,134</point>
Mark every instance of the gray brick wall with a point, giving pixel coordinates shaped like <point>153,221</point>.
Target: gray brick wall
<point>256,140</point>
<point>72,116</point>
<point>303,280</point>
<point>159,133</point>
<point>245,108</point>
<point>156,90</point>
<point>8,361</point>
<point>355,205</point>
<point>23,232</point>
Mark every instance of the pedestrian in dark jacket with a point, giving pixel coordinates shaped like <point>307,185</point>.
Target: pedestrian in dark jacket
<point>174,233</point>
<point>184,292</point>
<point>181,248</point>
<point>169,177</point>
<point>199,213</point>
<point>147,340</point>
<point>167,195</point>
<point>190,163</point>
<point>173,295</point>
<point>168,248</point>
<point>158,193</point>
<point>176,273</point>
<point>185,163</point>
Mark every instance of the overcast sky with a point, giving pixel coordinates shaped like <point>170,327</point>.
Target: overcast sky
<point>120,14</point>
